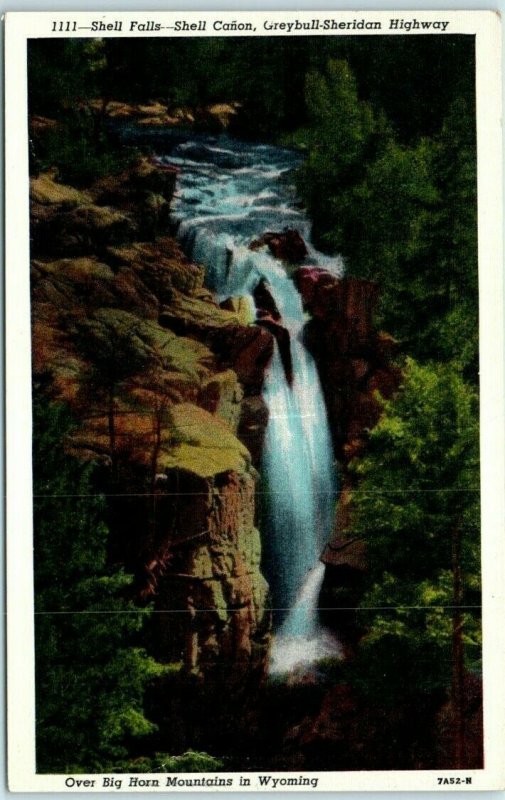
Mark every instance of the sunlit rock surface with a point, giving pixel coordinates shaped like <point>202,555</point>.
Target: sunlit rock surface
<point>162,382</point>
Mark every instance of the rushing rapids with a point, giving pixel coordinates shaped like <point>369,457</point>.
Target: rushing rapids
<point>229,195</point>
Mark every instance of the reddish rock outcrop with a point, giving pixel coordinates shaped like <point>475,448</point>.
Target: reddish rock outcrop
<point>213,574</point>
<point>284,342</point>
<point>286,245</point>
<point>247,351</point>
<point>264,300</point>
<point>355,362</point>
<point>269,317</point>
<point>354,359</point>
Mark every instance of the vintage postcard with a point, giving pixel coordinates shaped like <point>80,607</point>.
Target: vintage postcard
<point>255,441</point>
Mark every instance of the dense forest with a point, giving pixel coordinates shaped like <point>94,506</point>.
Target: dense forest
<point>383,129</point>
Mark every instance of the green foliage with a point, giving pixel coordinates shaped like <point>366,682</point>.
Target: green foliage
<point>90,675</point>
<point>190,761</point>
<point>452,237</point>
<point>64,73</point>
<point>381,226</point>
<point>403,215</point>
<point>421,471</point>
<point>413,81</point>
<point>80,148</point>
<point>419,487</point>
<point>267,81</point>
<point>340,134</point>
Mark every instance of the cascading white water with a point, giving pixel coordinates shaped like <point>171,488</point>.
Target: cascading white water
<point>228,194</point>
<point>302,640</point>
<point>298,459</point>
<point>301,488</point>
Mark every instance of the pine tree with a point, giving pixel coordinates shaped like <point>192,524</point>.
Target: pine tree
<point>417,508</point>
<point>90,672</point>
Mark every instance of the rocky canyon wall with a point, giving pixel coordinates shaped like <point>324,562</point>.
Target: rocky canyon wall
<point>165,387</point>
<point>356,365</point>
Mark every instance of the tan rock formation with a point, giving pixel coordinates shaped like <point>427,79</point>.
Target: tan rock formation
<point>162,382</point>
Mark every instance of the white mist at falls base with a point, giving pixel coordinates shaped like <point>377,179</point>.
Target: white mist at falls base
<point>228,194</point>
<point>302,640</point>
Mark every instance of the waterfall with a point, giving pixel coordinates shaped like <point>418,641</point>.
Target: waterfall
<point>302,640</point>
<point>301,493</point>
<point>230,193</point>
<point>298,459</point>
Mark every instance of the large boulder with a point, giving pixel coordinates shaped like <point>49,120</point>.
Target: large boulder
<point>287,245</point>
<point>310,281</point>
<point>188,315</point>
<point>149,186</point>
<point>247,351</point>
<point>240,306</point>
<point>264,300</point>
<point>348,302</point>
<point>162,266</point>
<point>115,210</point>
<point>283,341</point>
<point>199,442</point>
<point>46,191</point>
<point>146,175</point>
<point>65,222</point>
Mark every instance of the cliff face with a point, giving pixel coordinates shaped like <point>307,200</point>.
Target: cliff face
<point>213,574</point>
<point>165,386</point>
<point>355,363</point>
<point>354,359</point>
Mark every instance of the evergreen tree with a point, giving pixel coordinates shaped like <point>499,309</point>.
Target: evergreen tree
<point>417,508</point>
<point>340,136</point>
<point>402,215</point>
<point>90,673</point>
<point>452,237</point>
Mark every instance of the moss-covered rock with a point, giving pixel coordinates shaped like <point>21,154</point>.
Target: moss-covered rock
<point>163,266</point>
<point>205,444</point>
<point>45,189</point>
<point>190,315</point>
<point>68,229</point>
<point>242,307</point>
